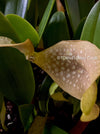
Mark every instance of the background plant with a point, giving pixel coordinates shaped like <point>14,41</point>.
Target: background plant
<point>49,27</point>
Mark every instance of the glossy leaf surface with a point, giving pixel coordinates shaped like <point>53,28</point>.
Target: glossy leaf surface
<point>46,17</point>
<point>76,12</point>
<point>17,80</point>
<point>6,29</point>
<point>91,28</point>
<point>56,30</point>
<point>23,29</point>
<point>73,13</point>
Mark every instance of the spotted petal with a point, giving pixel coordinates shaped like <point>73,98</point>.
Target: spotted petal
<point>73,65</point>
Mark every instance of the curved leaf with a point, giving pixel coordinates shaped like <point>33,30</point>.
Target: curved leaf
<point>23,29</point>
<point>17,80</point>
<point>72,8</point>
<point>85,4</point>
<point>46,17</point>
<point>52,88</point>
<point>6,29</point>
<point>91,29</point>
<point>75,10</point>
<point>79,29</point>
<point>56,30</point>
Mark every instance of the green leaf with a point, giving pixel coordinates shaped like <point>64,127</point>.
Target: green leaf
<point>6,29</point>
<point>16,76</point>
<point>18,7</point>
<point>52,88</point>
<point>91,29</point>
<point>53,130</point>
<point>87,5</point>
<point>32,13</point>
<point>25,112</point>
<point>75,11</point>
<point>46,17</point>
<point>41,7</point>
<point>79,29</point>
<point>23,29</point>
<point>72,8</point>
<point>44,94</point>
<point>56,30</point>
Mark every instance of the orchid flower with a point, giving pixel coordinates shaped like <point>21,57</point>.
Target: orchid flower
<point>74,65</point>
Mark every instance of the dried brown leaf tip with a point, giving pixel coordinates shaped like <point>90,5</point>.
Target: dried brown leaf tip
<point>73,65</point>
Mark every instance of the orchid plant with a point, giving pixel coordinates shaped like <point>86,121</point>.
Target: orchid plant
<point>72,64</point>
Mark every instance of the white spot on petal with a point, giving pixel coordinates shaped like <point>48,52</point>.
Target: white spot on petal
<point>64,79</point>
<point>68,75</point>
<point>78,75</point>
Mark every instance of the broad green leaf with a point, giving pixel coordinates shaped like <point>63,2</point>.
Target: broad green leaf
<point>53,130</point>
<point>45,17</point>
<point>18,7</point>
<point>44,94</point>
<point>92,115</point>
<point>89,98</point>
<point>23,29</point>
<point>56,30</point>
<point>17,80</point>
<point>26,116</point>
<point>91,28</point>
<point>72,8</point>
<point>6,29</point>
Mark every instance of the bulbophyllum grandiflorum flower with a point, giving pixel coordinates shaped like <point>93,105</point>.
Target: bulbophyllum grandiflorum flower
<point>74,65</point>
